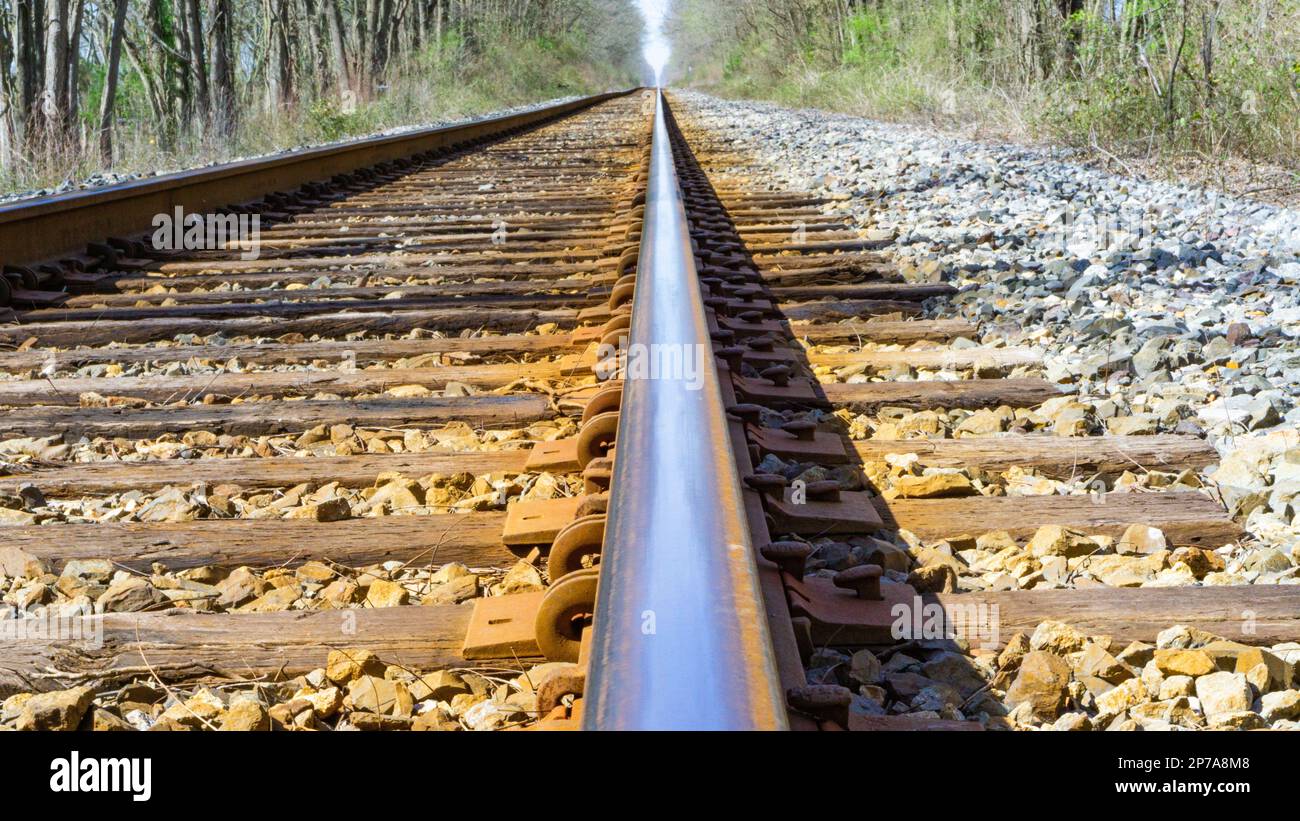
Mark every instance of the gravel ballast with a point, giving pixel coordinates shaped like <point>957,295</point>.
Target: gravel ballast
<point>1173,305</point>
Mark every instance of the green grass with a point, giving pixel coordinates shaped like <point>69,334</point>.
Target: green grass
<point>897,63</point>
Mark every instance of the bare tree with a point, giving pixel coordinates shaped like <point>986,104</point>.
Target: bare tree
<point>8,139</point>
<point>72,97</point>
<point>188,73</point>
<point>54,105</point>
<point>26,52</point>
<point>108,100</point>
<point>223,115</point>
<point>198,64</point>
<point>338,46</point>
<point>279,73</point>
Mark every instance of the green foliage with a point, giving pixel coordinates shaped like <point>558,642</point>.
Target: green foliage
<point>1160,77</point>
<point>868,42</point>
<point>327,121</point>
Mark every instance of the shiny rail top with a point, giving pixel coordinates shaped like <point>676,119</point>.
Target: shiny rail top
<point>680,635</point>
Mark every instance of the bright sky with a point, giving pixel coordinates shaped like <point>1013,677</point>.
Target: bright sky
<point>654,45</point>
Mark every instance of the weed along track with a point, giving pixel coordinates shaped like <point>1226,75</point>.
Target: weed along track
<point>572,419</point>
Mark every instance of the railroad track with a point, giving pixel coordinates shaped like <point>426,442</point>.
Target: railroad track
<point>565,387</point>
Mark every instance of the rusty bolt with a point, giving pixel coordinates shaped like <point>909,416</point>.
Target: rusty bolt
<point>750,316</point>
<point>597,475</point>
<point>593,504</point>
<point>824,702</point>
<point>864,579</point>
<point>551,691</point>
<point>722,336</point>
<point>733,355</point>
<point>761,343</point>
<point>778,375</point>
<point>826,490</point>
<point>767,482</point>
<point>791,557</point>
<point>804,430</point>
<point>749,292</point>
<point>745,412</point>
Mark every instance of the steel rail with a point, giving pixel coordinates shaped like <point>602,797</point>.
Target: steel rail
<point>47,227</point>
<point>680,638</point>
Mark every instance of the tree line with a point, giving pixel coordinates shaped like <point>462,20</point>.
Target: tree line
<point>1212,74</point>
<point>74,73</point>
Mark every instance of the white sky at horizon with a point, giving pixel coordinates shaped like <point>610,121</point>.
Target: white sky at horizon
<point>654,45</point>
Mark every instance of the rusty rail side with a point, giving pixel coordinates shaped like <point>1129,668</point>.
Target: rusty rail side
<point>680,637</point>
<point>46,228</point>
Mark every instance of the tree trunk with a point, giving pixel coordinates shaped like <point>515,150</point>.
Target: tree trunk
<point>38,53</point>
<point>223,116</point>
<point>438,9</point>
<point>26,47</point>
<point>1209,30</point>
<point>54,96</point>
<point>279,69</point>
<point>190,110</point>
<point>74,65</point>
<point>198,60</point>
<point>110,84</point>
<point>362,46</point>
<point>317,56</point>
<point>338,46</point>
<point>379,41</point>
<point>8,103</point>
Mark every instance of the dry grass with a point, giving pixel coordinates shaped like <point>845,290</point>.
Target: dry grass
<point>436,87</point>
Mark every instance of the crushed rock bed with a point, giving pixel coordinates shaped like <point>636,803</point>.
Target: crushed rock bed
<point>210,366</point>
<point>94,586</point>
<point>321,440</point>
<point>355,690</point>
<point>1166,308</point>
<point>1058,678</point>
<point>218,339</point>
<point>393,494</point>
